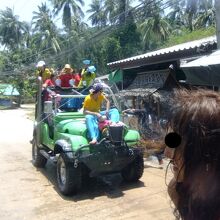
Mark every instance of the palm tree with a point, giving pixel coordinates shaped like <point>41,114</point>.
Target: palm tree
<point>98,16</point>
<point>11,29</point>
<point>111,9</point>
<point>69,8</point>
<point>27,34</point>
<point>117,11</point>
<point>123,7</point>
<point>176,14</point>
<point>191,10</point>
<point>45,31</point>
<point>206,15</point>
<point>146,10</point>
<point>155,30</point>
<point>191,13</point>
<point>42,19</point>
<point>206,19</point>
<point>78,25</point>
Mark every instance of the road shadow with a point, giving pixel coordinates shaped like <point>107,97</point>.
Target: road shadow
<point>111,185</point>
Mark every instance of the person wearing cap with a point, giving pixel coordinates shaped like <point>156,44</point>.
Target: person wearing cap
<point>43,71</point>
<point>91,108</point>
<point>68,77</point>
<point>87,77</point>
<point>86,64</point>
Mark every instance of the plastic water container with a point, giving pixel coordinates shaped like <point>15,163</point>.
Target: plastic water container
<point>48,107</point>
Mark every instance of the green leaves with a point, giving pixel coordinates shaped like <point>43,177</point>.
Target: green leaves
<point>118,31</point>
<point>45,31</point>
<point>11,29</point>
<point>68,9</point>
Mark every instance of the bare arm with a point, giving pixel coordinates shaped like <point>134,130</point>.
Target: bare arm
<point>45,85</point>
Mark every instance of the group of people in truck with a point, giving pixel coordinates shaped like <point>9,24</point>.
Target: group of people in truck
<point>67,77</point>
<point>92,103</point>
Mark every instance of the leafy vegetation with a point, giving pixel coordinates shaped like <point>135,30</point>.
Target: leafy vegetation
<point>187,36</point>
<point>115,30</point>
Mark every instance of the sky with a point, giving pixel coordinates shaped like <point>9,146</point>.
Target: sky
<point>24,8</point>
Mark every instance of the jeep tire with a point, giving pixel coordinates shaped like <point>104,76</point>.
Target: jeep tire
<point>68,176</point>
<point>134,171</point>
<point>38,159</point>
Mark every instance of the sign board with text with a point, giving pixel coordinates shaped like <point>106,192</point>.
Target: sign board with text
<point>150,79</point>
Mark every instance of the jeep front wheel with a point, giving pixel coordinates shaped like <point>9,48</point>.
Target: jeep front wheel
<point>38,159</point>
<point>68,176</point>
<point>134,171</point>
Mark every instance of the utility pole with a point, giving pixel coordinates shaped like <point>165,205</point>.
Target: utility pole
<point>217,14</point>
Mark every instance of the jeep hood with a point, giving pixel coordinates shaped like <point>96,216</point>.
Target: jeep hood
<point>72,126</point>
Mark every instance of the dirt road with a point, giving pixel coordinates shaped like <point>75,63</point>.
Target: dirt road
<point>30,193</point>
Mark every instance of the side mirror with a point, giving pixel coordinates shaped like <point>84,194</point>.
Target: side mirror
<point>48,107</point>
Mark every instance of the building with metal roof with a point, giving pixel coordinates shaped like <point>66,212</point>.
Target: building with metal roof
<point>180,51</point>
<point>204,70</point>
<point>149,77</point>
<point>147,81</point>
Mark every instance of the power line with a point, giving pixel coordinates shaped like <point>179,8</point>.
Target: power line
<point>66,40</point>
<point>95,36</point>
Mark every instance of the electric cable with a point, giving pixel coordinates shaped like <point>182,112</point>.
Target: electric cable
<point>66,40</point>
<point>92,38</point>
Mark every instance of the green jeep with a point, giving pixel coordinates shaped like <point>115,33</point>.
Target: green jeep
<point>61,136</point>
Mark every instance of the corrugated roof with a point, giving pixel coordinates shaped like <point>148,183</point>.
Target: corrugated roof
<point>209,60</point>
<point>176,48</point>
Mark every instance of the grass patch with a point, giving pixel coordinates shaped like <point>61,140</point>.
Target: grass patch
<point>187,36</point>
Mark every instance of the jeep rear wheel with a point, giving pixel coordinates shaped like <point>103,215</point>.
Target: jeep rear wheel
<point>38,159</point>
<point>68,176</point>
<point>134,171</point>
